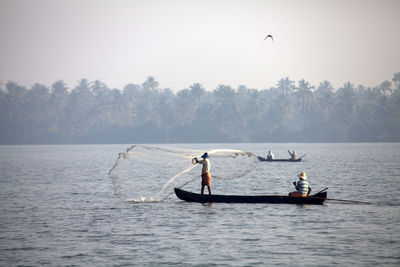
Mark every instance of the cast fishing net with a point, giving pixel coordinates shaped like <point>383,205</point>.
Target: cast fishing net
<point>148,173</point>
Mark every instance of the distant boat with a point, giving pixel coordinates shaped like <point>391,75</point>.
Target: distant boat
<point>278,160</point>
<point>318,198</point>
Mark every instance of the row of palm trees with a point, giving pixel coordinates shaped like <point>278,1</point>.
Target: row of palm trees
<point>91,112</point>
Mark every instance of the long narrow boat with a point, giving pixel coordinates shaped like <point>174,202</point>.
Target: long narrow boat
<point>318,198</point>
<point>278,160</point>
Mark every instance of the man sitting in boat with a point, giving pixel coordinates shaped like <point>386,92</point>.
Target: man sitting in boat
<point>293,155</point>
<point>270,156</point>
<point>205,173</point>
<point>303,188</point>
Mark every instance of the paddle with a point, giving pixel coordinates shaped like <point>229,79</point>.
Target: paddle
<point>349,201</point>
<point>342,200</point>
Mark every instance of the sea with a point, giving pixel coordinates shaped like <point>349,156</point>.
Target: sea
<point>58,208</point>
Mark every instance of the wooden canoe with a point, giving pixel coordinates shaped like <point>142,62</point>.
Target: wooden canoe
<point>278,160</point>
<point>318,198</point>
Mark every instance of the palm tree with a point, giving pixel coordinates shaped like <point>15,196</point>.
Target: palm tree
<point>346,99</point>
<point>15,91</point>
<point>344,110</point>
<point>38,111</point>
<point>98,88</point>
<point>396,80</point>
<point>394,120</point>
<point>166,118</point>
<point>304,97</point>
<point>280,111</point>
<point>285,86</point>
<point>57,105</point>
<point>386,88</point>
<point>59,88</point>
<point>83,87</point>
<point>226,111</point>
<point>150,83</point>
<point>325,89</point>
<point>81,108</point>
<point>14,116</point>
<point>185,108</point>
<point>242,98</point>
<point>325,97</point>
<point>131,97</point>
<point>197,92</point>
<point>255,121</point>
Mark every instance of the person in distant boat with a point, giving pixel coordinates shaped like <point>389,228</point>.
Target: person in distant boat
<point>205,173</point>
<point>303,188</point>
<point>270,156</point>
<point>292,155</point>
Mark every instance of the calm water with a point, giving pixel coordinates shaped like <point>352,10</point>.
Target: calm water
<point>57,208</point>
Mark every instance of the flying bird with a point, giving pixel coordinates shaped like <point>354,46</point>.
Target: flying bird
<point>269,35</point>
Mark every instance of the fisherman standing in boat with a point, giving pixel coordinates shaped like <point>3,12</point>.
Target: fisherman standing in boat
<point>205,173</point>
<point>292,155</point>
<point>303,188</point>
<point>270,156</point>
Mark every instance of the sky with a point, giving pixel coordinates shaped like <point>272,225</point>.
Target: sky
<point>211,42</point>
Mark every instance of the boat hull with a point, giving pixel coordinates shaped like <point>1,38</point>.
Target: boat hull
<point>278,160</point>
<point>193,197</point>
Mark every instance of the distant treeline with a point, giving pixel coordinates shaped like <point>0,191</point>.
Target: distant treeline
<point>289,112</point>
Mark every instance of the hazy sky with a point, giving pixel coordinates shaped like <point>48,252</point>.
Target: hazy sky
<point>210,42</point>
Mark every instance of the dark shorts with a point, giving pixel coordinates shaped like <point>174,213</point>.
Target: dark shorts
<point>206,179</point>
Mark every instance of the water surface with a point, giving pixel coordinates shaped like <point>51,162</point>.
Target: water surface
<point>58,208</point>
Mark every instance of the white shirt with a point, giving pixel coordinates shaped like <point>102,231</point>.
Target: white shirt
<point>206,165</point>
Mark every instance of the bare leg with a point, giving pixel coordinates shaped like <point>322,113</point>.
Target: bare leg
<point>209,189</point>
<point>202,189</point>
